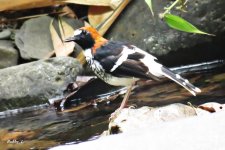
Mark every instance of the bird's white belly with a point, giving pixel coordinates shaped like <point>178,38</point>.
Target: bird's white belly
<point>120,81</point>
<point>113,80</point>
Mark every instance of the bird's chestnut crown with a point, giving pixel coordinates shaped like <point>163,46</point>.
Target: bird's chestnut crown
<point>87,37</point>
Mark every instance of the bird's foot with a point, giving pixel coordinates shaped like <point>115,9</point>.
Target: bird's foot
<point>114,115</point>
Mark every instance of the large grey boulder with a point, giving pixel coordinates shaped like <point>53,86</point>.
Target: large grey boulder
<point>8,54</point>
<point>137,26</point>
<point>36,82</point>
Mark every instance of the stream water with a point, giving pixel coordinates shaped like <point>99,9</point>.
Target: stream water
<point>41,127</point>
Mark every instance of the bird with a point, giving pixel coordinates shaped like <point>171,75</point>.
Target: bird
<point>120,63</point>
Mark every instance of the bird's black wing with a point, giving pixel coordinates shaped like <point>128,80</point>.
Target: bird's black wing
<point>108,55</point>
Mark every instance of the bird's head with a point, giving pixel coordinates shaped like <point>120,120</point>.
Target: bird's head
<point>86,37</point>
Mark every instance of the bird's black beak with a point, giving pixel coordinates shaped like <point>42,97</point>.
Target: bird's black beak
<point>73,38</point>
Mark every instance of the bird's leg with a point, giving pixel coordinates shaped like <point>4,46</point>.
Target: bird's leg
<point>126,97</point>
<point>124,102</point>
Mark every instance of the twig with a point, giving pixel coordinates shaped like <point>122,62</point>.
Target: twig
<point>169,8</point>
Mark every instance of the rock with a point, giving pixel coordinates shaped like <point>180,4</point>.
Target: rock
<point>137,26</point>
<point>5,34</point>
<point>129,120</point>
<point>34,39</point>
<point>34,83</point>
<point>198,133</point>
<point>8,54</point>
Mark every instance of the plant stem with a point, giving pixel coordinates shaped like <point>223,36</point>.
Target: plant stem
<point>169,8</point>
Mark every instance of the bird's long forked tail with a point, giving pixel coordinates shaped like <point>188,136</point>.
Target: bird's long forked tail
<point>181,81</point>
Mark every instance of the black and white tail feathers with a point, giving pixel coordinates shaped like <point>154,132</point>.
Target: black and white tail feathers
<point>181,81</point>
<point>157,70</point>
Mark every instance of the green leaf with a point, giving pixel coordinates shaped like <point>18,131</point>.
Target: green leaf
<point>149,3</point>
<point>179,23</point>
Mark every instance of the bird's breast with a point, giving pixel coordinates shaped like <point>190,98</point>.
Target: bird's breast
<point>97,68</point>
